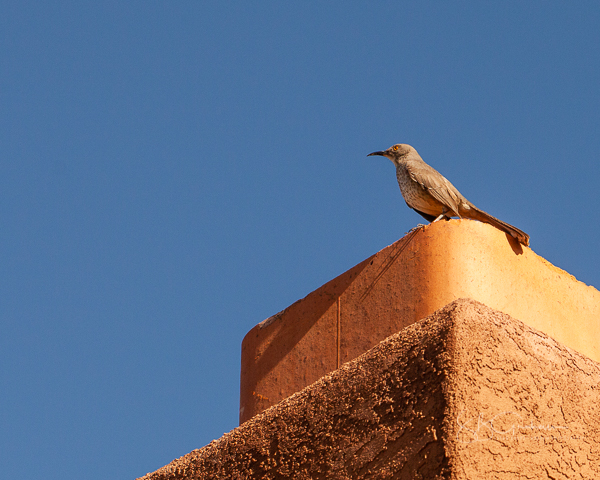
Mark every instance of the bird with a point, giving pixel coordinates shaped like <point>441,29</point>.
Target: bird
<point>432,196</point>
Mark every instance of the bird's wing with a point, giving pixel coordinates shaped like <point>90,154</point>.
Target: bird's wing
<point>437,186</point>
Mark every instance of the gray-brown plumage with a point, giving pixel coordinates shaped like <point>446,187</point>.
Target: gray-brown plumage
<point>427,192</point>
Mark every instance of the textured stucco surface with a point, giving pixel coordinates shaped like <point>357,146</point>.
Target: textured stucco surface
<point>402,284</point>
<point>467,393</point>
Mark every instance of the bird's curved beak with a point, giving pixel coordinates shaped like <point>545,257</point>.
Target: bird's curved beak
<point>381,154</point>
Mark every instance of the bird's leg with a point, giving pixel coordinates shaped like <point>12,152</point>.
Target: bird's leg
<point>439,218</point>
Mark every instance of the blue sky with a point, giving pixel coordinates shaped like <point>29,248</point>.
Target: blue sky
<point>172,173</point>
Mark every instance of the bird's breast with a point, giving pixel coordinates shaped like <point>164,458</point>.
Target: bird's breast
<point>415,195</point>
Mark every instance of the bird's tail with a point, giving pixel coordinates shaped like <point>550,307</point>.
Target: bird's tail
<point>477,214</point>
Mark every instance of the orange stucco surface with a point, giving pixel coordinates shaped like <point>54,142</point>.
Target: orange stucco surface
<point>402,284</point>
<point>468,393</point>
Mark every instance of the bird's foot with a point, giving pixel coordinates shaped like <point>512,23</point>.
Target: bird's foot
<point>414,229</point>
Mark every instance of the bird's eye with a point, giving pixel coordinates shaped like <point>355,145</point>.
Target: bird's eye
<point>395,147</point>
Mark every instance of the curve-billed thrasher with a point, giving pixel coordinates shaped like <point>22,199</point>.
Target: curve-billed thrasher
<point>428,193</point>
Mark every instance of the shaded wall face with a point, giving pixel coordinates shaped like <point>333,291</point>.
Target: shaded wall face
<point>332,325</point>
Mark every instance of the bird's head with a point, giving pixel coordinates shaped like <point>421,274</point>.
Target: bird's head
<point>396,152</point>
